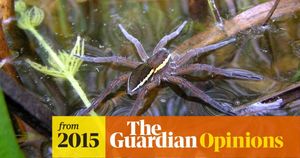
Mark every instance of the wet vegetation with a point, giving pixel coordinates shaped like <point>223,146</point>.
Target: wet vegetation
<point>36,84</point>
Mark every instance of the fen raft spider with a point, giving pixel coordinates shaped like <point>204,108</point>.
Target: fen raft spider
<point>162,67</point>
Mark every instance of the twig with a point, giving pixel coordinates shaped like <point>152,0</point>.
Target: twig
<point>7,9</point>
<point>4,53</point>
<point>288,94</point>
<point>271,12</point>
<point>245,20</point>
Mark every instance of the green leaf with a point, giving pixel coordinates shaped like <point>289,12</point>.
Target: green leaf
<point>46,70</point>
<point>9,147</point>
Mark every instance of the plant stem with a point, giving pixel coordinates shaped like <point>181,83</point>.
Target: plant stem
<point>216,14</point>
<point>44,44</point>
<point>79,90</point>
<point>70,77</point>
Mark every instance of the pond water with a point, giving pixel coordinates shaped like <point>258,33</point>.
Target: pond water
<point>271,51</point>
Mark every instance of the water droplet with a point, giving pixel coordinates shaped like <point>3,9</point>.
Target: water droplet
<point>101,46</point>
<point>163,100</point>
<point>264,50</point>
<point>47,99</point>
<point>237,102</point>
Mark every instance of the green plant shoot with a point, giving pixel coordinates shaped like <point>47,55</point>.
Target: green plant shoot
<point>61,64</point>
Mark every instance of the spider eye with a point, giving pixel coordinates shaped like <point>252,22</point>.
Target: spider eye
<point>139,78</point>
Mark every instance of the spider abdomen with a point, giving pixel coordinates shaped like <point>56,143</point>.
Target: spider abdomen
<point>139,77</point>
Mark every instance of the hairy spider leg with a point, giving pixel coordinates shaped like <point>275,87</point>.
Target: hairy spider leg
<point>184,84</point>
<point>168,37</point>
<point>115,84</point>
<point>116,60</point>
<point>136,108</point>
<point>231,72</point>
<point>140,49</point>
<point>183,59</point>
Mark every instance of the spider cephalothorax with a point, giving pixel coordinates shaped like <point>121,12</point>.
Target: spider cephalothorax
<point>145,72</point>
<point>160,66</point>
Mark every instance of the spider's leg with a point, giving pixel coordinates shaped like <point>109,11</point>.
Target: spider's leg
<point>198,51</point>
<point>112,86</point>
<point>184,84</point>
<point>232,72</point>
<point>168,37</point>
<point>116,60</point>
<point>136,108</point>
<point>140,49</point>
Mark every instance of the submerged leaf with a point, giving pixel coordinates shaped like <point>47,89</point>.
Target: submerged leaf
<point>70,61</point>
<point>29,18</point>
<point>46,70</point>
<point>36,16</point>
<point>20,6</point>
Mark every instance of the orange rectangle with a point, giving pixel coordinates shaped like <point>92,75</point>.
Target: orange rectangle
<point>203,136</point>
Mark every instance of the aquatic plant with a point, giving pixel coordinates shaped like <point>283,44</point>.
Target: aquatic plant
<point>61,64</point>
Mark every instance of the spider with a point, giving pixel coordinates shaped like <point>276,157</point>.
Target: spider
<point>162,67</point>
